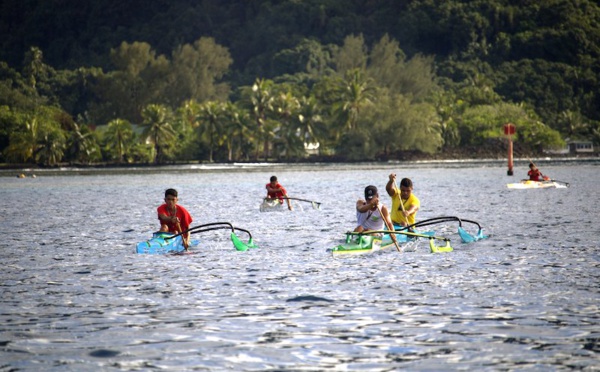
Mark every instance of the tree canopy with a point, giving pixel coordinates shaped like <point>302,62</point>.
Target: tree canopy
<point>239,80</point>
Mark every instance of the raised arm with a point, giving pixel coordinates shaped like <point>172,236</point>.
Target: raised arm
<point>390,187</point>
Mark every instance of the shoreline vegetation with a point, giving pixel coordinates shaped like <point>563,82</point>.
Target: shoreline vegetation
<point>361,81</point>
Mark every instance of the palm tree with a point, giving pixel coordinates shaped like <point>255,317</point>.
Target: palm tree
<point>285,107</point>
<point>120,135</point>
<point>310,121</point>
<point>356,91</point>
<point>237,127</point>
<point>573,124</point>
<point>210,118</point>
<point>52,148</point>
<point>448,109</point>
<point>24,144</point>
<point>158,129</point>
<point>34,66</point>
<point>82,145</point>
<point>261,102</point>
<point>189,112</point>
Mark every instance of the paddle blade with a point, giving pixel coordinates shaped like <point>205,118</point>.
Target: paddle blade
<point>468,238</point>
<point>316,205</point>
<point>436,249</point>
<point>240,245</point>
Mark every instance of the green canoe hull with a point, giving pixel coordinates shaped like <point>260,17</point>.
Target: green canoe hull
<point>363,244</point>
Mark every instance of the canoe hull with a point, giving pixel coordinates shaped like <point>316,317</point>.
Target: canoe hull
<point>536,185</point>
<point>159,244</point>
<point>363,244</point>
<point>273,205</point>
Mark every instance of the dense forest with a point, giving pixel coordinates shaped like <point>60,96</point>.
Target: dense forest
<point>159,81</point>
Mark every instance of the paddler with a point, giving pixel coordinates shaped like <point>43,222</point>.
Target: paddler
<point>371,215</point>
<point>405,204</point>
<point>173,217</point>
<point>276,191</point>
<point>535,174</point>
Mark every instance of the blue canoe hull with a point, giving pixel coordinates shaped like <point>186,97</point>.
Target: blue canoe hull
<point>159,244</point>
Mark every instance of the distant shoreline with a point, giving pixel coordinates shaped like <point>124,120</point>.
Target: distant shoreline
<point>190,167</point>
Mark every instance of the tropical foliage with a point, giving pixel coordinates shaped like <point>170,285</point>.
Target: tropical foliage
<point>358,80</point>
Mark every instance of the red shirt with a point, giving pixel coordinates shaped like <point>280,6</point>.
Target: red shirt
<point>534,175</point>
<point>181,213</point>
<point>277,194</point>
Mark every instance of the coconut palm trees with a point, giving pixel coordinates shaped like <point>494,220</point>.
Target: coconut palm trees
<point>158,130</point>
<point>120,135</point>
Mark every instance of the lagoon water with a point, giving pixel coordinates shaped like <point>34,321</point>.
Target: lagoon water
<point>75,296</point>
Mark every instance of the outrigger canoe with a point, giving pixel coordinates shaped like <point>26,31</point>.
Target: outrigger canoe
<point>528,184</point>
<point>163,242</point>
<point>373,241</point>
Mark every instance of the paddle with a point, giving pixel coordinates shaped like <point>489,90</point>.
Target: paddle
<point>408,233</point>
<point>390,228</point>
<point>563,182</point>
<point>185,242</point>
<point>315,205</point>
<point>401,204</point>
<point>544,178</point>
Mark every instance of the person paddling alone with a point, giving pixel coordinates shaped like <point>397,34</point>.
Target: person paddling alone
<point>276,191</point>
<point>174,218</point>
<point>535,174</point>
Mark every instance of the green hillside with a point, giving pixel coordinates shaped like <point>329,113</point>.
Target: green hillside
<point>246,80</point>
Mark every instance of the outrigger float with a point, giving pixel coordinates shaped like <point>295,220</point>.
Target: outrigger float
<point>168,243</point>
<point>372,241</point>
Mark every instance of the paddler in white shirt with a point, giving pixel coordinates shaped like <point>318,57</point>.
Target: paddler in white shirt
<point>368,214</point>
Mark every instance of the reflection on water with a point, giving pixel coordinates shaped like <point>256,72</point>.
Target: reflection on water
<point>76,297</point>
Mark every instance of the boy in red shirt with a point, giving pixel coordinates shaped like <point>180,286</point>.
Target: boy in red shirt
<point>535,174</point>
<point>276,191</point>
<point>174,218</point>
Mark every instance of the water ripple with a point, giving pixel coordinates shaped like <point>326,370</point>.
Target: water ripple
<point>75,296</point>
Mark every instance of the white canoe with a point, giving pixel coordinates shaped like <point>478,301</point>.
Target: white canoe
<point>527,184</point>
<point>273,205</point>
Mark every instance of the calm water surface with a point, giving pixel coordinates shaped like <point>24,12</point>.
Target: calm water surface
<point>75,296</point>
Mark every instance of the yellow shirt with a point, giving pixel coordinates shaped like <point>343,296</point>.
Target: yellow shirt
<point>397,216</point>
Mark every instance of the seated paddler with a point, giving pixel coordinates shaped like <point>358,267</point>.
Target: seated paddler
<point>405,204</point>
<point>173,217</point>
<point>370,214</point>
<point>276,191</point>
